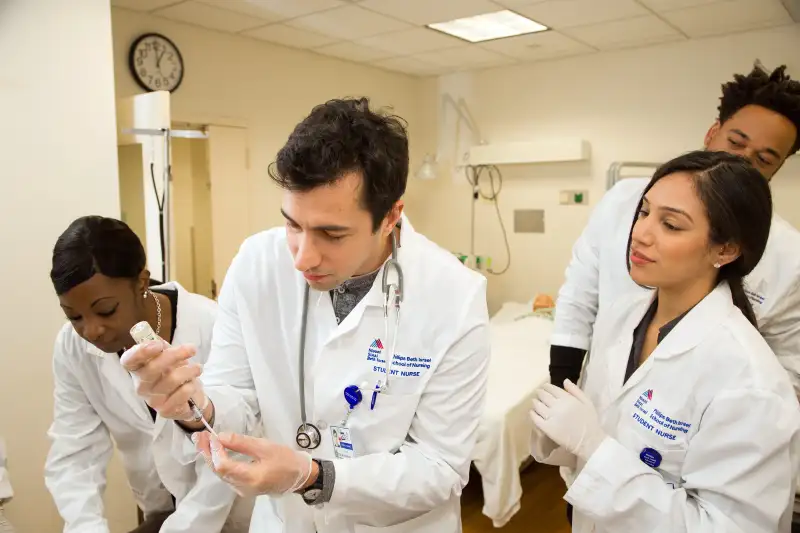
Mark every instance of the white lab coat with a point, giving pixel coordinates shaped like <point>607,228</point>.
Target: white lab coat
<point>714,402</point>
<point>597,275</point>
<point>413,450</point>
<point>95,402</point>
<point>6,492</point>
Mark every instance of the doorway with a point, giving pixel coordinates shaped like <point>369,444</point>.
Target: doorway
<point>192,247</point>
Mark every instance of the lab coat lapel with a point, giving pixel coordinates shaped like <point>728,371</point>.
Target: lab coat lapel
<point>119,382</point>
<point>687,334</point>
<point>618,355</point>
<point>187,330</point>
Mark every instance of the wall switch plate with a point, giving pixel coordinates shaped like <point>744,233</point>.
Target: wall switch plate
<point>529,221</point>
<point>574,197</point>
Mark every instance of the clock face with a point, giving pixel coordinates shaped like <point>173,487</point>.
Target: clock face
<point>156,63</point>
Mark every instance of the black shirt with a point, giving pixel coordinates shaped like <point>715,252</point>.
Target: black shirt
<point>640,333</point>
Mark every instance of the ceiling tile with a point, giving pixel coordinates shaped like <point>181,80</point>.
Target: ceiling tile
<point>412,41</point>
<point>464,57</point>
<point>570,13</point>
<point>353,52</point>
<point>209,17</point>
<point>545,45</point>
<point>409,65</point>
<point>728,17</point>
<point>349,23</point>
<point>275,10</point>
<point>289,36</point>
<point>143,5</point>
<point>660,6</point>
<point>422,12</point>
<point>639,31</point>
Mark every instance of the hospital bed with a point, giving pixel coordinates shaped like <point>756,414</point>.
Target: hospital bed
<point>519,364</point>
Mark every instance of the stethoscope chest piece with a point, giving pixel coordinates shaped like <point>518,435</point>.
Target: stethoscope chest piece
<point>308,436</point>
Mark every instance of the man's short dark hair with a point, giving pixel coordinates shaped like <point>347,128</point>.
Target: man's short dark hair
<point>343,136</point>
<point>776,91</point>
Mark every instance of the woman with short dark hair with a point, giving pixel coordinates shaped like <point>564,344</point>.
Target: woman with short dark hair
<point>99,274</point>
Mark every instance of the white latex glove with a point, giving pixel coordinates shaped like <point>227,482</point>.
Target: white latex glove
<point>165,379</point>
<point>274,468</point>
<point>568,417</point>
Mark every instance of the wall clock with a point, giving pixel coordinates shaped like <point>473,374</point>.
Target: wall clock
<point>155,63</point>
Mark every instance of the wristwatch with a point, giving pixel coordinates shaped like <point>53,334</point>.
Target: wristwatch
<point>312,493</point>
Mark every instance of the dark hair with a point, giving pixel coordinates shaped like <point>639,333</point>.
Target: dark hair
<point>95,245</point>
<point>776,92</point>
<point>342,136</point>
<point>738,205</point>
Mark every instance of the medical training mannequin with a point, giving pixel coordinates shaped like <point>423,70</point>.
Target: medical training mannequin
<point>6,492</point>
<point>396,457</point>
<point>759,118</point>
<point>686,421</point>
<point>99,274</point>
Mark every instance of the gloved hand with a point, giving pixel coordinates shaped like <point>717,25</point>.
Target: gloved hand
<point>274,469</point>
<point>165,379</point>
<point>568,417</point>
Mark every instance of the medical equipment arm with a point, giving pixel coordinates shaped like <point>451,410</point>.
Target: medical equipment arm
<point>738,474</point>
<point>432,466</point>
<point>782,333</point>
<point>75,470</point>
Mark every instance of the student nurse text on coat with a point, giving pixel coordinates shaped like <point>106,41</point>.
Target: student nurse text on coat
<point>356,346</point>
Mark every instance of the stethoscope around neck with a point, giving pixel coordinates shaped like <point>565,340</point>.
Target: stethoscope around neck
<point>308,435</point>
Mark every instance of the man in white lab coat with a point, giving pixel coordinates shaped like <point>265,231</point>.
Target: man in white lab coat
<point>369,420</point>
<point>759,118</point>
<point>5,490</point>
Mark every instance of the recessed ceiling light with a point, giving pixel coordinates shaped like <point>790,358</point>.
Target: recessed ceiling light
<point>489,26</point>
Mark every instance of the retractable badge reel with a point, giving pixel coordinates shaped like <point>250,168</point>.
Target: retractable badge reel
<point>342,441</point>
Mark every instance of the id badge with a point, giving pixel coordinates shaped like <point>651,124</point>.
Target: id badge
<point>342,444</point>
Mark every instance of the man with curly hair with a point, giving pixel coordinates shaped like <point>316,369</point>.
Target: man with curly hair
<point>759,119</point>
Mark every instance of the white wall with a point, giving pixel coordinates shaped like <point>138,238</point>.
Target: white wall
<point>646,104</point>
<point>267,88</point>
<point>59,161</point>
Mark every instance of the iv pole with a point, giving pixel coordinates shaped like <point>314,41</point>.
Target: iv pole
<point>163,202</point>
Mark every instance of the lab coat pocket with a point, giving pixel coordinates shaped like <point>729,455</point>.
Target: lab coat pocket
<point>386,426</point>
<point>443,519</point>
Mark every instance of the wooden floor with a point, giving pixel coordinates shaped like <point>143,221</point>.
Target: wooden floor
<point>543,508</point>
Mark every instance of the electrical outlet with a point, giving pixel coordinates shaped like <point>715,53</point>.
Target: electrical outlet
<point>574,197</point>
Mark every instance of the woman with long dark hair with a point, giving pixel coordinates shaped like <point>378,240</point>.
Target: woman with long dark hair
<point>685,421</point>
<point>99,274</point>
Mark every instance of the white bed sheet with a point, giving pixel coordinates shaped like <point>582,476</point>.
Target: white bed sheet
<point>519,364</point>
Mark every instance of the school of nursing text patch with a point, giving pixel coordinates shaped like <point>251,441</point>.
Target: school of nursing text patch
<point>402,366</point>
<point>655,421</point>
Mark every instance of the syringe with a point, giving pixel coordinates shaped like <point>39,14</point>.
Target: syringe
<point>142,333</point>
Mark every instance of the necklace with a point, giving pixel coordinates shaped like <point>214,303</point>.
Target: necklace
<point>158,312</point>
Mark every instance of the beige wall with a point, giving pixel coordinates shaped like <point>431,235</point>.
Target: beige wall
<point>265,87</point>
<point>647,104</point>
<point>58,148</point>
